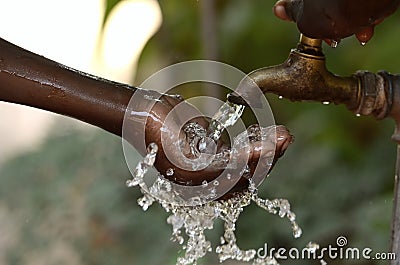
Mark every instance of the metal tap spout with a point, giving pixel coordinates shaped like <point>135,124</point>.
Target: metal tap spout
<point>304,77</point>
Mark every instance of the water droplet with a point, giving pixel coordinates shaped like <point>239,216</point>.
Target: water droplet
<point>202,145</point>
<point>170,172</point>
<point>326,103</point>
<point>140,170</point>
<point>291,216</point>
<point>363,43</point>
<point>145,202</point>
<point>152,148</point>
<point>334,43</point>
<point>252,186</point>
<point>149,160</point>
<point>296,230</point>
<point>179,97</point>
<point>213,193</point>
<point>207,146</point>
<point>195,135</point>
<point>312,247</point>
<point>245,170</point>
<point>204,183</point>
<point>176,221</point>
<point>284,208</point>
<point>358,115</point>
<point>229,176</point>
<point>129,183</point>
<point>280,97</point>
<point>216,182</point>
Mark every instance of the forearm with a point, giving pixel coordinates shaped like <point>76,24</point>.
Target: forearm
<point>139,116</point>
<point>32,80</point>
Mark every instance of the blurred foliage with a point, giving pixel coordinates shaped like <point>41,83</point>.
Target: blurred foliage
<point>67,203</point>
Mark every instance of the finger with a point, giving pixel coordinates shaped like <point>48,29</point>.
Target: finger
<point>365,34</point>
<point>276,146</point>
<point>283,140</point>
<point>262,153</point>
<point>289,10</point>
<point>280,10</point>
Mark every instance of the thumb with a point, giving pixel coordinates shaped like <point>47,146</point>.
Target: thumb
<point>289,10</point>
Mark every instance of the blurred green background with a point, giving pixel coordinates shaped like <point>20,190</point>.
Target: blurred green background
<point>67,202</point>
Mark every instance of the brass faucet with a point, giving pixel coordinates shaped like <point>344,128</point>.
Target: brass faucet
<point>304,76</point>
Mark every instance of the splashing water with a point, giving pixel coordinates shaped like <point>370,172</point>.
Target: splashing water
<point>143,166</point>
<point>170,172</point>
<point>226,116</point>
<point>191,222</point>
<point>202,141</point>
<point>335,43</point>
<point>195,135</point>
<point>313,247</point>
<point>190,219</point>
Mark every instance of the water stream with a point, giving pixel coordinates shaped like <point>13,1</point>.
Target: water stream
<point>189,222</point>
<point>227,115</point>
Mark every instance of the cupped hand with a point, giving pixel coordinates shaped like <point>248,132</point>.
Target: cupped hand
<point>336,19</point>
<point>164,126</point>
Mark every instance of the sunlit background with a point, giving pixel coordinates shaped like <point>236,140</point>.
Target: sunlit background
<point>63,198</point>
<point>77,34</point>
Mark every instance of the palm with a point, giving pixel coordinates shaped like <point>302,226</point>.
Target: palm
<point>165,127</point>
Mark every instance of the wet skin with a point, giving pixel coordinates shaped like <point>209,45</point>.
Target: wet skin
<point>32,80</point>
<point>156,124</point>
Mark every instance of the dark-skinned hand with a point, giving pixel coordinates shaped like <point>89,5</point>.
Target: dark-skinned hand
<point>333,20</point>
<point>164,127</point>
